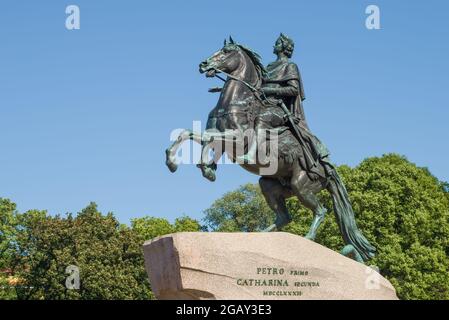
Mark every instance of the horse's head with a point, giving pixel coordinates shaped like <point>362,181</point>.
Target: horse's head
<point>228,59</point>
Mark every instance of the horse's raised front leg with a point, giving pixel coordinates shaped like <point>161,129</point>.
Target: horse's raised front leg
<point>213,140</point>
<point>171,152</point>
<point>207,167</point>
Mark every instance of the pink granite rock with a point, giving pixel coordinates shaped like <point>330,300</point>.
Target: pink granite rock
<point>251,266</point>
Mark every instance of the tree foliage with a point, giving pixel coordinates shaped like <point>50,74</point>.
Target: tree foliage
<point>244,209</point>
<point>8,225</point>
<point>150,227</point>
<point>403,210</point>
<point>36,250</point>
<point>108,255</point>
<point>8,232</point>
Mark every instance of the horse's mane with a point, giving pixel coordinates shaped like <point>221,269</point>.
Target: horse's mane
<point>255,58</point>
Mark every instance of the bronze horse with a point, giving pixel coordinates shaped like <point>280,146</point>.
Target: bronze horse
<point>226,124</point>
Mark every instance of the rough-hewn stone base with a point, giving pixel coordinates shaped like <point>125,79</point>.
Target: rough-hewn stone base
<point>276,265</point>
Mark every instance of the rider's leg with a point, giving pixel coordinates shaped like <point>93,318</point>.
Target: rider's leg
<point>250,156</point>
<point>269,118</point>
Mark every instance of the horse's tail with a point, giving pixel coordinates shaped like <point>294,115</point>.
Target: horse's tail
<point>345,218</point>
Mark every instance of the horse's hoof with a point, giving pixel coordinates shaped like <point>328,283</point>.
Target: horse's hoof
<point>210,176</point>
<point>171,166</point>
<point>270,228</point>
<point>207,172</point>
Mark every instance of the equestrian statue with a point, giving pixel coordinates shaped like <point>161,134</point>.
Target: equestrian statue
<point>259,122</point>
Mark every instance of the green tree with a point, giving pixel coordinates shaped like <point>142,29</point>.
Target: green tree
<point>186,224</point>
<point>402,209</point>
<point>244,209</point>
<point>150,227</point>
<point>108,255</point>
<point>8,233</point>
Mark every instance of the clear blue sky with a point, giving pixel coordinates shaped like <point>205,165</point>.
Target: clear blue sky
<point>86,115</point>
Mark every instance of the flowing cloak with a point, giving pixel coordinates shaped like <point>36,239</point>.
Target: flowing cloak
<point>282,74</point>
